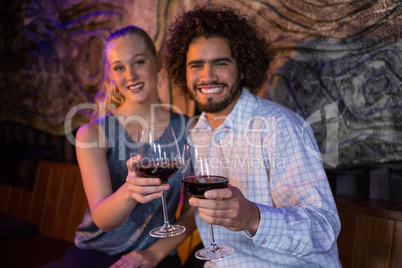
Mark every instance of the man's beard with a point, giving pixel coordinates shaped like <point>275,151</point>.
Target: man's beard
<point>215,107</point>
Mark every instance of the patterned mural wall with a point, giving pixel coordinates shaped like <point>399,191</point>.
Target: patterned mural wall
<point>336,63</point>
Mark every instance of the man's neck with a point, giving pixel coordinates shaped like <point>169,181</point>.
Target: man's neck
<point>217,119</point>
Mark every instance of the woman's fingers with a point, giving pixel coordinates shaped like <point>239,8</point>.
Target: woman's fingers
<point>146,198</point>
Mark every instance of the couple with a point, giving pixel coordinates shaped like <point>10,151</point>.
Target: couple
<point>273,215</point>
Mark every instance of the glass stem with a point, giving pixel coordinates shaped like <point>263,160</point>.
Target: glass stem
<point>213,244</point>
<point>165,214</point>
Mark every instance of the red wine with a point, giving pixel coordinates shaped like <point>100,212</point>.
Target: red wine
<point>198,185</point>
<point>162,170</point>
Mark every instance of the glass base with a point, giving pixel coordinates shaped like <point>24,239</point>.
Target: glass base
<point>214,253</point>
<point>171,230</point>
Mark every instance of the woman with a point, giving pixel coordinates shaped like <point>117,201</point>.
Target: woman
<point>123,207</point>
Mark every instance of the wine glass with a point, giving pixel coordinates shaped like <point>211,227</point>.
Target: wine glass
<point>160,159</point>
<point>205,170</point>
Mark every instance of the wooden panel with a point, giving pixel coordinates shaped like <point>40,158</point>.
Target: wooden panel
<point>196,239</point>
<point>186,248</point>
<point>38,199</point>
<point>56,205</point>
<point>78,207</point>
<point>396,253</point>
<point>180,207</point>
<point>14,201</point>
<point>72,204</point>
<point>346,239</point>
<point>5,191</point>
<point>25,205</point>
<point>66,202</point>
<point>61,223</point>
<point>371,233</point>
<point>51,202</point>
<point>395,214</point>
<point>373,242</point>
<point>363,210</point>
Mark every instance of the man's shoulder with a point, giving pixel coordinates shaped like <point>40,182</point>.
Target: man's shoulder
<point>269,107</point>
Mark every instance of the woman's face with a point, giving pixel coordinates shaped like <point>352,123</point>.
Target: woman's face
<point>133,68</point>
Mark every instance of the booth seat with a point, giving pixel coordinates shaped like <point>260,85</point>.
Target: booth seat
<point>38,224</point>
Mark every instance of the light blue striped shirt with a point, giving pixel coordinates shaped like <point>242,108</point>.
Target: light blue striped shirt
<point>275,162</point>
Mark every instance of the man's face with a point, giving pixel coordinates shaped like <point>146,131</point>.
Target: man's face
<point>213,80</point>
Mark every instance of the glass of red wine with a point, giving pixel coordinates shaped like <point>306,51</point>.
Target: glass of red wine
<point>160,159</point>
<point>204,170</point>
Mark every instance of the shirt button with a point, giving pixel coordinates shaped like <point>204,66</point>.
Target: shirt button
<point>264,242</point>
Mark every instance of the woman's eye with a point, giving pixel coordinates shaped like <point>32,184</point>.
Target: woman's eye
<point>140,62</point>
<point>118,68</point>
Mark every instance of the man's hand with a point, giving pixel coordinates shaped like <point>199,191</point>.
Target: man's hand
<point>229,208</point>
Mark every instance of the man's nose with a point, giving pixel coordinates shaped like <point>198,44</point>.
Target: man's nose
<point>208,74</point>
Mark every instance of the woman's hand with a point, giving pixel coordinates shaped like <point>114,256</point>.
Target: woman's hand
<point>140,258</point>
<point>142,189</point>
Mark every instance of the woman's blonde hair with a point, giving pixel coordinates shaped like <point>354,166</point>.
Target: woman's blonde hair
<point>108,97</point>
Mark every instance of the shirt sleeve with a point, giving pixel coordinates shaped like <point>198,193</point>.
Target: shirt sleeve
<point>304,218</point>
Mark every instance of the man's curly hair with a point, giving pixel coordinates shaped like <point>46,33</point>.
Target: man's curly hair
<point>248,48</point>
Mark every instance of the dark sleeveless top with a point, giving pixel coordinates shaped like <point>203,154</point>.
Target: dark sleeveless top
<point>134,233</point>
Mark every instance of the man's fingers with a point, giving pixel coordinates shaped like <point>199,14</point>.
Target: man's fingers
<point>224,193</point>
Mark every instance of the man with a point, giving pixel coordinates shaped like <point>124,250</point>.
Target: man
<point>278,210</point>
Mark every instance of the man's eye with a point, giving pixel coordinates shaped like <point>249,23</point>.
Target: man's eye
<point>140,62</point>
<point>221,63</point>
<point>195,66</point>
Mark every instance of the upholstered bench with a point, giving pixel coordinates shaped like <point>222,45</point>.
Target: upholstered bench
<point>38,224</point>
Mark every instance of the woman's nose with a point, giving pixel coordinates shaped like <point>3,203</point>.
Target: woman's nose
<point>132,74</point>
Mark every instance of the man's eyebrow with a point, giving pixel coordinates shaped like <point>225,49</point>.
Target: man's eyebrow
<point>195,62</point>
<point>221,59</point>
<point>215,60</point>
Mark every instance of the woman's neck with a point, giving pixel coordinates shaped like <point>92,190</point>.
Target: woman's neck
<point>142,114</point>
<point>127,110</point>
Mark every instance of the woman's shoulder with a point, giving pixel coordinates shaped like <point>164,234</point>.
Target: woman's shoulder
<point>88,131</point>
<point>179,123</point>
<point>92,131</point>
<point>179,116</point>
